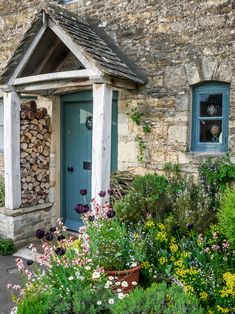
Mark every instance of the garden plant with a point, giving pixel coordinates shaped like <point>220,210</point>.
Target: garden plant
<point>180,231</point>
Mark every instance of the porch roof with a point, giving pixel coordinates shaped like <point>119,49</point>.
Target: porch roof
<point>83,35</point>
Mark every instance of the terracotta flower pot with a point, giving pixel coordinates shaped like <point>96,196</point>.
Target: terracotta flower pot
<point>128,275</point>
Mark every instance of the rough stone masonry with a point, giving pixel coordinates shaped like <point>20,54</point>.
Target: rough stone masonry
<point>176,43</point>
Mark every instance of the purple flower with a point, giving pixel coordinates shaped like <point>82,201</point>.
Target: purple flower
<point>60,251</point>
<point>83,192</point>
<point>52,229</point>
<point>111,213</point>
<point>49,236</point>
<point>39,233</point>
<point>79,208</point>
<point>60,237</point>
<point>85,208</point>
<point>110,192</point>
<point>29,262</point>
<point>190,226</point>
<point>102,193</point>
<point>91,218</point>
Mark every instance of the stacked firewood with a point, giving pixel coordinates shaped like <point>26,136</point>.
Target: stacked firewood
<point>35,140</point>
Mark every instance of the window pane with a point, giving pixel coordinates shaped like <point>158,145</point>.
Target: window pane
<point>211,131</point>
<point>211,105</point>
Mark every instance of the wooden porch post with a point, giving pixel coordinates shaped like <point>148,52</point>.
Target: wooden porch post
<point>101,139</point>
<point>12,150</point>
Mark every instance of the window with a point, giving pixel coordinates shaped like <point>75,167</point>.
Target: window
<point>210,118</point>
<point>1,126</point>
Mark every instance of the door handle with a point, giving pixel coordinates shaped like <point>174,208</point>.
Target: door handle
<point>70,169</point>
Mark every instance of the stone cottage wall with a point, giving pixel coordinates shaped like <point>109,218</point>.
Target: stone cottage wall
<point>177,43</point>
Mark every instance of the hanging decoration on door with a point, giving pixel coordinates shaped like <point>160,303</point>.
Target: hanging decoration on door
<point>89,122</point>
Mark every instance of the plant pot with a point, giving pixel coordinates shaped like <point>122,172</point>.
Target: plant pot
<point>128,275</point>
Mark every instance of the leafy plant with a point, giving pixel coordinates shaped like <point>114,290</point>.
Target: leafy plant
<point>226,214</point>
<point>158,299</point>
<point>147,200</point>
<point>7,246</point>
<point>141,148</point>
<point>136,116</point>
<point>113,246</point>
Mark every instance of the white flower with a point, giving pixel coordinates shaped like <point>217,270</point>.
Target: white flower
<point>134,283</point>
<point>95,275</point>
<point>87,268</point>
<point>119,290</point>
<point>121,295</point>
<point>106,286</point>
<point>99,302</point>
<point>124,284</point>
<point>117,283</point>
<point>70,278</point>
<point>111,277</point>
<point>111,301</point>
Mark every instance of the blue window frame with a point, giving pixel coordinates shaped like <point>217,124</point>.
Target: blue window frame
<point>210,118</point>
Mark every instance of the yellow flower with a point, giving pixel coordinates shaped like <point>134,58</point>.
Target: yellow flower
<point>149,224</point>
<point>222,309</point>
<point>161,227</point>
<point>188,289</point>
<point>203,295</point>
<point>229,289</point>
<point>162,260</point>
<point>185,254</point>
<point>161,236</point>
<point>146,265</point>
<point>179,263</point>
<point>172,259</point>
<point>173,247</point>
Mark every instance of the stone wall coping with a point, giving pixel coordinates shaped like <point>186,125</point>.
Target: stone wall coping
<point>24,210</point>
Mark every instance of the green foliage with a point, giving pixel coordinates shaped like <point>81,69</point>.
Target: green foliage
<point>7,247</point>
<point>147,200</point>
<point>136,116</point>
<point>226,215</point>
<point>217,171</point>
<point>34,302</point>
<point>193,260</point>
<point>113,246</point>
<point>2,191</point>
<point>150,185</point>
<point>141,148</point>
<point>157,299</point>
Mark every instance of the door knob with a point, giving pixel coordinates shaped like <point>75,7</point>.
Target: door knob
<point>70,169</point>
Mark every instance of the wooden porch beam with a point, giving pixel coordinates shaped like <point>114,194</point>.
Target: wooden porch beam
<point>12,150</point>
<point>101,139</point>
<point>53,77</point>
<point>27,55</point>
<point>68,41</point>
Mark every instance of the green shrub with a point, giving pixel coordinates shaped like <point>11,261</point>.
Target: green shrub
<point>36,302</point>
<point>226,215</point>
<point>148,199</point>
<point>157,299</point>
<point>7,247</point>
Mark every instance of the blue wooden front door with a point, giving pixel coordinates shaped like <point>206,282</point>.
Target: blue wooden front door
<point>76,152</point>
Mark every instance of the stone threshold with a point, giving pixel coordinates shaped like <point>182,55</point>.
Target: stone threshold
<point>24,210</point>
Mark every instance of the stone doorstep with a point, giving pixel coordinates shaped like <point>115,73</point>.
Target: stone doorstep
<point>24,210</point>
<point>26,253</point>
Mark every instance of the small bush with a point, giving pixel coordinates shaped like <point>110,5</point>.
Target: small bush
<point>148,200</point>
<point>7,247</point>
<point>158,299</point>
<point>36,302</point>
<point>226,215</point>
